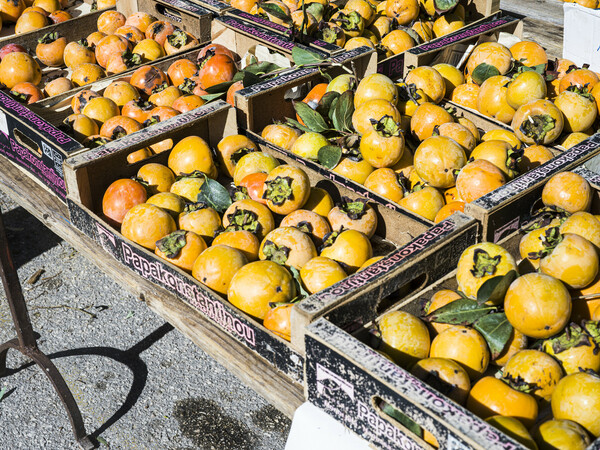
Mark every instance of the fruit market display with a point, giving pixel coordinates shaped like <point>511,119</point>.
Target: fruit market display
<point>545,102</point>
<point>262,237</point>
<point>390,26</point>
<point>120,43</point>
<point>29,16</point>
<point>517,342</point>
<point>150,96</point>
<point>398,141</point>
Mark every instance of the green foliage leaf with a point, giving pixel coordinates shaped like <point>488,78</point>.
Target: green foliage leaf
<point>261,68</point>
<point>402,418</point>
<point>329,156</point>
<point>484,71</point>
<point>327,102</point>
<point>276,11</point>
<point>250,79</point>
<point>302,293</point>
<point>301,57</point>
<point>211,97</point>
<point>298,125</point>
<point>442,6</point>
<point>214,195</point>
<point>496,330</point>
<point>463,311</point>
<point>221,87</point>
<point>343,109</point>
<point>494,289</point>
<point>317,10</point>
<point>311,118</point>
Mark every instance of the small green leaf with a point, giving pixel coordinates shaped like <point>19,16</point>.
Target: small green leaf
<point>496,330</point>
<point>302,57</point>
<point>250,79</point>
<point>402,418</point>
<point>276,11</point>
<point>214,195</point>
<point>302,293</point>
<point>317,10</point>
<point>294,123</point>
<point>211,97</point>
<point>219,88</point>
<point>326,102</point>
<point>329,156</point>
<point>129,315</point>
<point>459,312</point>
<point>102,441</point>
<point>311,118</point>
<point>443,6</point>
<point>342,112</point>
<point>261,68</point>
<point>484,71</point>
<point>494,289</point>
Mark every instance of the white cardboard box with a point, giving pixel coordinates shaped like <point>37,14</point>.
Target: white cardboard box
<point>582,35</point>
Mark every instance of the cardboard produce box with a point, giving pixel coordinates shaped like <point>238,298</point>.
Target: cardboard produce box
<point>485,18</point>
<point>31,136</point>
<point>348,379</point>
<point>400,236</point>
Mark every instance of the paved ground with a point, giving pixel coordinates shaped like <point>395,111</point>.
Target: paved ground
<point>139,383</point>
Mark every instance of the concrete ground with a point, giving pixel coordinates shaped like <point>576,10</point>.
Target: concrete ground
<point>139,383</point>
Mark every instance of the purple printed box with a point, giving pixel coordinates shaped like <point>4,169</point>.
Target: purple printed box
<point>351,381</point>
<point>486,20</point>
<point>399,236</point>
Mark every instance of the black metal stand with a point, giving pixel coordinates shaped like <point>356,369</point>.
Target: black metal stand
<point>26,343</point>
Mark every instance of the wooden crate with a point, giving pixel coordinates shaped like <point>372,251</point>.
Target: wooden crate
<point>483,14</point>
<point>490,28</point>
<point>88,174</point>
<point>506,209</point>
<point>32,139</point>
<point>347,378</point>
<point>190,18</point>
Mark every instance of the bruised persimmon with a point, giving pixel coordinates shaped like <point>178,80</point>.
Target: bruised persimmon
<point>80,126</point>
<point>278,320</point>
<point>109,45</point>
<point>118,126</point>
<point>121,92</point>
<point>132,34</point>
<point>147,78</point>
<point>397,41</point>
<point>216,70</point>
<point>87,73</point>
<point>404,11</point>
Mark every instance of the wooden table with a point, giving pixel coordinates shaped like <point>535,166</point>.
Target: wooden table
<point>278,389</point>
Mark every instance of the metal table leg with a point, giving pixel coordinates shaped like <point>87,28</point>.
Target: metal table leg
<point>26,342</point>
